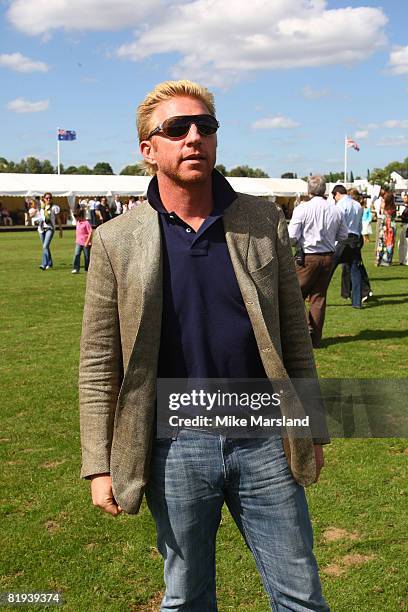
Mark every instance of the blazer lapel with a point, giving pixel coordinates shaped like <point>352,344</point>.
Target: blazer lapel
<point>147,295</point>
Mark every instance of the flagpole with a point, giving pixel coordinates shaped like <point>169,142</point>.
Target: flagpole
<point>345,158</point>
<point>58,153</point>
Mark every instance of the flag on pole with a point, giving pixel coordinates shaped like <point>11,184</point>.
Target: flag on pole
<point>66,135</point>
<point>351,144</point>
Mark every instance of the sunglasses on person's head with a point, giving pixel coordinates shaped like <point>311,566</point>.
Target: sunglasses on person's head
<point>175,127</point>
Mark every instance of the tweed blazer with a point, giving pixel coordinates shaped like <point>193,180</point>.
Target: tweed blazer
<point>121,336</point>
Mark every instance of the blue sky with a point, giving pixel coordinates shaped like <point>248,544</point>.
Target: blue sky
<point>290,78</point>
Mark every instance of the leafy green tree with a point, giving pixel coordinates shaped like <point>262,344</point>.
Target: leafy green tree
<point>69,170</point>
<point>289,175</point>
<point>33,165</point>
<point>83,170</point>
<point>4,165</point>
<point>221,168</point>
<point>334,177</point>
<point>247,171</point>
<point>47,167</point>
<point>379,176</point>
<point>102,168</point>
<point>135,170</point>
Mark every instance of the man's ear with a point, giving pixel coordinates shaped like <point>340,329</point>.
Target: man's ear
<point>147,152</point>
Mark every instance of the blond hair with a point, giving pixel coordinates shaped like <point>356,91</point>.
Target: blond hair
<point>166,91</point>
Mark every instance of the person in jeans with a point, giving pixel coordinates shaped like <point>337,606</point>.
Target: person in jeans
<point>48,216</point>
<point>83,239</point>
<point>197,282</point>
<point>349,250</point>
<point>314,229</point>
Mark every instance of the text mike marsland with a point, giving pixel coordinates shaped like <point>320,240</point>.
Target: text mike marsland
<point>234,421</point>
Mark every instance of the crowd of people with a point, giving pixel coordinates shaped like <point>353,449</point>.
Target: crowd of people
<point>99,210</point>
<point>42,213</point>
<point>329,232</point>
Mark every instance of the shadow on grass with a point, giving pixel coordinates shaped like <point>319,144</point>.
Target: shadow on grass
<point>376,300</point>
<point>387,278</point>
<point>366,335</point>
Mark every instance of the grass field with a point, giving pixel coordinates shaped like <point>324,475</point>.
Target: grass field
<point>53,539</point>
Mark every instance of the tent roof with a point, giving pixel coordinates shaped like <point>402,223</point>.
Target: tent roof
<point>71,184</point>
<point>90,184</point>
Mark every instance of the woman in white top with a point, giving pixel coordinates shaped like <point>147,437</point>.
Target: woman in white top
<point>49,214</point>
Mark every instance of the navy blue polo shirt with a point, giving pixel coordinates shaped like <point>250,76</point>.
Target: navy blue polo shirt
<point>206,331</point>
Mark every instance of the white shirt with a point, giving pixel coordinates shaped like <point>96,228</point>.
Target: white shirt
<point>317,225</point>
<point>352,213</point>
<point>43,225</point>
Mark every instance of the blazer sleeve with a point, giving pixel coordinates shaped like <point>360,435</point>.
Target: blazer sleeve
<point>100,369</point>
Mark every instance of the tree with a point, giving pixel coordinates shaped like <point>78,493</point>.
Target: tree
<point>334,177</point>
<point>47,167</point>
<point>248,171</point>
<point>135,170</point>
<point>4,164</point>
<point>221,168</point>
<point>289,175</point>
<point>83,170</point>
<point>351,177</point>
<point>102,168</point>
<point>379,176</point>
<point>33,165</point>
<point>69,170</point>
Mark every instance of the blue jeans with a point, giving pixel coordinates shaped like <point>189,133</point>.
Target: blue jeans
<point>191,478</point>
<point>76,264</point>
<point>46,238</point>
<point>356,278</point>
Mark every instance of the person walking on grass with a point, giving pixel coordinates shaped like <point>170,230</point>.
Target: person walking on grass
<point>315,227</point>
<point>49,215</point>
<point>83,239</point>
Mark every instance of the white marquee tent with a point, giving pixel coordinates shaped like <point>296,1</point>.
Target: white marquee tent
<point>74,185</point>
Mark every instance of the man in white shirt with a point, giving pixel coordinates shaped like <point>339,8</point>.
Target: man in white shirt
<point>348,250</point>
<point>117,206</point>
<point>314,229</point>
<point>91,208</point>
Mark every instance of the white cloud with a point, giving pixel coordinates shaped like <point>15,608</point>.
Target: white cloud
<point>314,94</point>
<point>278,122</point>
<point>39,17</point>
<point>399,60</point>
<point>218,41</point>
<point>240,38</point>
<point>19,105</point>
<point>395,141</point>
<point>396,123</point>
<point>361,134</point>
<point>21,63</point>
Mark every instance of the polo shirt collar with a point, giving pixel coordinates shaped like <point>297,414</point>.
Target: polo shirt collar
<point>223,195</point>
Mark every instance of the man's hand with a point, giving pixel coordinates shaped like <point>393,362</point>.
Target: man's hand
<point>102,495</point>
<point>319,458</point>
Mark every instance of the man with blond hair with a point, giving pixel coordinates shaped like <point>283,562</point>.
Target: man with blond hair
<point>197,282</point>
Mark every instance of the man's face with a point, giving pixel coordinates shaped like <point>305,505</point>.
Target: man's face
<point>186,160</point>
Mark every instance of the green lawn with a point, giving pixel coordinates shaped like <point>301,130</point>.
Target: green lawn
<point>52,537</point>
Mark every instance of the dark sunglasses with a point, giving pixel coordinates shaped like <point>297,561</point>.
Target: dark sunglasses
<point>175,127</point>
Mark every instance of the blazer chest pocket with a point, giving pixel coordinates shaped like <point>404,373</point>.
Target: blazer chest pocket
<point>266,270</point>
